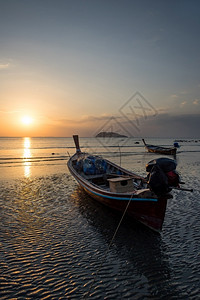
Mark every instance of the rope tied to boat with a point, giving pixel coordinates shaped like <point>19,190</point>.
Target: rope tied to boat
<point>104,258</point>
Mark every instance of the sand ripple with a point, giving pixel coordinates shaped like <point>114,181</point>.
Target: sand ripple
<point>54,240</point>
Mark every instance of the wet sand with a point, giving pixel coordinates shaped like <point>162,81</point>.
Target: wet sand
<point>54,239</point>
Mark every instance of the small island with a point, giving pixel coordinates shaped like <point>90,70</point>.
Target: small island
<point>109,134</point>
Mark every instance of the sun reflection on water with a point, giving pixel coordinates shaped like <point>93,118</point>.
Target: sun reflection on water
<point>26,156</point>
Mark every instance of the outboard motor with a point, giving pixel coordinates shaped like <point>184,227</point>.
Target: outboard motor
<point>162,175</point>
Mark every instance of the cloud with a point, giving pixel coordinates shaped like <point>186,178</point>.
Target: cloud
<point>4,66</point>
<point>9,111</point>
<point>174,126</point>
<point>174,96</point>
<point>183,103</point>
<point>196,102</point>
<point>161,125</point>
<point>86,119</point>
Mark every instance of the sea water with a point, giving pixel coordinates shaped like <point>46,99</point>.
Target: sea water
<point>55,241</point>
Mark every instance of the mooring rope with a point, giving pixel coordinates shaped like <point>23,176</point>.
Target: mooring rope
<point>104,258</point>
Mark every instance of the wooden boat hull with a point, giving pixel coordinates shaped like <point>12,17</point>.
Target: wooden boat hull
<point>160,150</point>
<point>144,207</point>
<point>148,213</point>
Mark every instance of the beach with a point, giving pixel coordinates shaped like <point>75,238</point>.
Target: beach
<point>54,237</point>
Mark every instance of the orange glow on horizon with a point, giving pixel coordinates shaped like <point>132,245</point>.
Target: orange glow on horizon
<point>34,123</point>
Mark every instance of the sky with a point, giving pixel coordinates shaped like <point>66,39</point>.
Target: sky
<point>79,67</point>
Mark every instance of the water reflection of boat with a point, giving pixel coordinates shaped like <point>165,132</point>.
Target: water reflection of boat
<point>141,254</point>
<point>159,149</point>
<point>116,188</point>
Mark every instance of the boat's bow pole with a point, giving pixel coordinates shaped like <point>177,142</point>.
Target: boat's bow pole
<point>144,142</point>
<point>76,141</point>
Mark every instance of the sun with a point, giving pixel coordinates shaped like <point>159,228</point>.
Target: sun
<point>26,120</point>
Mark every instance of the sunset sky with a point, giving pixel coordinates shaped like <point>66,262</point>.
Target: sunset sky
<point>72,66</point>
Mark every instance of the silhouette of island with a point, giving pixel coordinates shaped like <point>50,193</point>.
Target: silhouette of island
<point>110,134</point>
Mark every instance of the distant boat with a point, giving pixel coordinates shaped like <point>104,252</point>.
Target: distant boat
<point>117,187</point>
<point>159,149</point>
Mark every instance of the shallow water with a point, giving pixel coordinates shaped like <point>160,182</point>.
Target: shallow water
<point>54,239</point>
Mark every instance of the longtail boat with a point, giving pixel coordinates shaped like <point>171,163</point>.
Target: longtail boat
<point>159,149</point>
<point>119,188</point>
